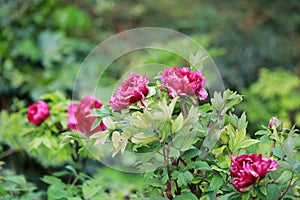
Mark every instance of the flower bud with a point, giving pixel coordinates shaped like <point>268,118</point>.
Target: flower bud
<point>274,122</point>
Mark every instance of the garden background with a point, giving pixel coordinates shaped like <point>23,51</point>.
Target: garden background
<point>255,44</point>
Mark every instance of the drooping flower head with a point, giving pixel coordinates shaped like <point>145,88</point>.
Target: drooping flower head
<point>38,112</point>
<point>274,122</point>
<point>250,168</point>
<point>130,91</point>
<point>183,82</point>
<point>78,115</point>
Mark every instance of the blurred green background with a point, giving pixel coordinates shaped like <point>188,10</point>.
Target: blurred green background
<point>255,44</point>
<point>43,44</point>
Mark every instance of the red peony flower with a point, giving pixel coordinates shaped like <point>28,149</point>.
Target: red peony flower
<point>274,122</point>
<point>249,168</point>
<point>38,112</point>
<point>183,82</point>
<point>130,91</point>
<point>78,116</point>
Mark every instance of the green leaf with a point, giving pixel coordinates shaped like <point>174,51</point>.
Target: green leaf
<point>16,179</point>
<point>143,138</point>
<point>178,124</point>
<point>100,137</point>
<point>263,190</point>
<point>89,189</point>
<point>285,165</point>
<point>246,196</point>
<point>69,167</point>
<point>247,143</point>
<point>289,145</point>
<point>215,183</point>
<point>278,152</point>
<point>242,122</point>
<point>185,178</point>
<point>141,120</point>
<point>51,180</point>
<point>261,132</point>
<point>191,153</point>
<point>226,196</point>
<point>273,192</point>
<point>96,123</point>
<point>186,195</point>
<point>201,165</point>
<point>284,177</point>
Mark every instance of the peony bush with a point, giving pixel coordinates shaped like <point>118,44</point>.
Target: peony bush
<point>199,150</point>
<point>187,143</point>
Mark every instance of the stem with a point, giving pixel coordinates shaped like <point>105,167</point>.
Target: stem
<point>288,187</point>
<point>166,152</point>
<point>273,145</point>
<point>75,155</point>
<point>195,189</point>
<point>182,107</point>
<point>6,153</point>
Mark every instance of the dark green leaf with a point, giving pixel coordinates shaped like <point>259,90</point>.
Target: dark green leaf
<point>186,196</point>
<point>201,165</point>
<point>216,183</point>
<point>273,192</point>
<point>184,178</point>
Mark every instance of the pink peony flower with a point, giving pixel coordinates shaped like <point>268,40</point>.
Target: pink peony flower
<point>78,116</point>
<point>38,112</point>
<point>183,82</point>
<point>249,168</point>
<point>274,122</point>
<point>130,91</point>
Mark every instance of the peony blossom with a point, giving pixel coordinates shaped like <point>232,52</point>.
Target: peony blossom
<point>38,112</point>
<point>274,122</point>
<point>183,82</point>
<point>249,168</point>
<point>130,91</point>
<point>78,116</point>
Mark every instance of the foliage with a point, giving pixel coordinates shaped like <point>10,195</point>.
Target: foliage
<point>191,145</point>
<point>38,52</point>
<point>16,187</point>
<point>44,142</point>
<point>276,92</point>
<point>43,43</point>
